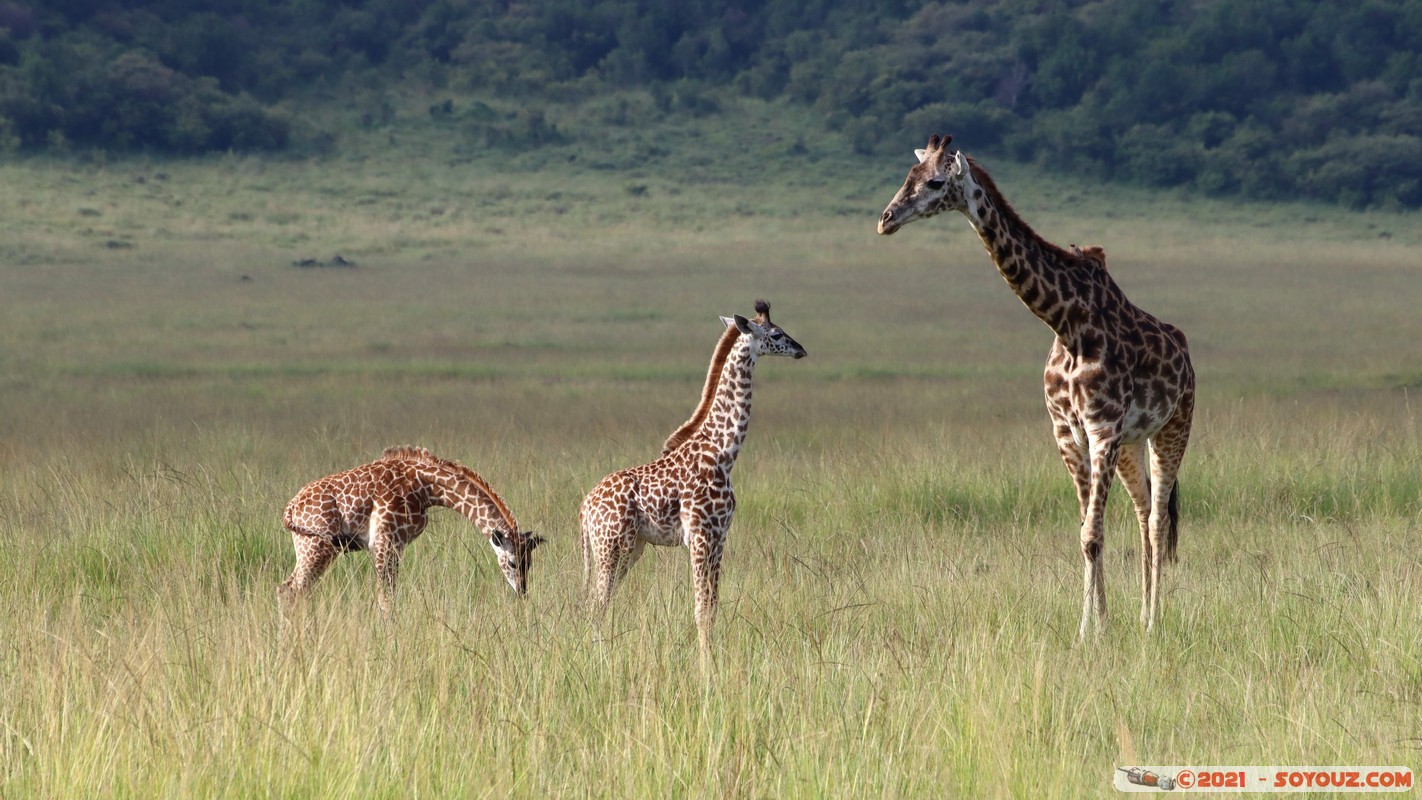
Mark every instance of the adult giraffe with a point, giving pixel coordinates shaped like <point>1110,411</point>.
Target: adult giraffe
<point>1117,378</point>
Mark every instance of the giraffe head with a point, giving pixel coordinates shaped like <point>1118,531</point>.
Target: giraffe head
<point>942,180</point>
<point>515,553</point>
<point>766,338</point>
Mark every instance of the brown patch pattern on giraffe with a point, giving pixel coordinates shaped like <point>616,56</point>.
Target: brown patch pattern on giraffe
<point>1119,384</point>
<point>685,496</point>
<point>382,506</point>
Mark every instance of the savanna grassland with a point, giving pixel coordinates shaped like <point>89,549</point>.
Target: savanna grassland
<point>902,589</point>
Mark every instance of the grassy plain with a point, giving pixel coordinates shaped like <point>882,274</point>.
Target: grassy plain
<point>902,588</point>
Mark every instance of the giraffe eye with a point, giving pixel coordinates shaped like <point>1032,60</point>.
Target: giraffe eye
<point>934,183</point>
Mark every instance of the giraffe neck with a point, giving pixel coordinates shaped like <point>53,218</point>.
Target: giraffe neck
<point>1049,280</point>
<point>461,490</point>
<point>728,419</point>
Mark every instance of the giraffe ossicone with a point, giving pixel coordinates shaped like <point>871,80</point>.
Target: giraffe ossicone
<point>383,506</point>
<point>684,497</point>
<point>1119,385</point>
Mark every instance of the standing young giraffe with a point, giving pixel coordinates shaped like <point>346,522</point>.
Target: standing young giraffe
<point>685,496</point>
<point>381,506</point>
<point>1116,380</point>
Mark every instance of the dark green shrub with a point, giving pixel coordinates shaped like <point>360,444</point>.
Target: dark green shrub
<point>1156,156</point>
<point>983,123</point>
<point>1363,170</point>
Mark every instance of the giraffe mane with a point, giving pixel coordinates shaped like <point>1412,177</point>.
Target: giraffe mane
<point>708,392</point>
<point>1093,254</point>
<point>407,451</point>
<point>424,456</point>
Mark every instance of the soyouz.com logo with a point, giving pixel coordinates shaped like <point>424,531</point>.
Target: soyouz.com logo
<point>1263,779</point>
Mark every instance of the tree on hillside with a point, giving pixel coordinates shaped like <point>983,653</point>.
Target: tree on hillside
<point>1260,97</point>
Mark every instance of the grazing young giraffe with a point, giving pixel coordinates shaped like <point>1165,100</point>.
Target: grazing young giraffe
<point>685,496</point>
<point>381,506</point>
<point>1116,380</point>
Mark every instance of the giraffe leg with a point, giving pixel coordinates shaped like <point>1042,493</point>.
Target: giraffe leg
<point>706,547</point>
<point>1131,468</point>
<point>1073,452</point>
<point>586,541</point>
<point>604,581</point>
<point>386,554</point>
<point>1167,450</point>
<point>1077,459</point>
<point>629,549</point>
<point>1074,456</point>
<point>630,559</point>
<point>1104,453</point>
<point>313,556</point>
<point>611,566</point>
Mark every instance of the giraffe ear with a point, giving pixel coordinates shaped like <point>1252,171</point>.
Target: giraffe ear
<point>728,322</point>
<point>497,539</point>
<point>922,155</point>
<point>744,325</point>
<point>534,541</point>
<point>960,164</point>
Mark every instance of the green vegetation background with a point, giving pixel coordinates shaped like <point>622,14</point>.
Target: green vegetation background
<point>1269,99</point>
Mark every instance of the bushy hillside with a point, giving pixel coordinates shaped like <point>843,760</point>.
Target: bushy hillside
<point>1267,98</point>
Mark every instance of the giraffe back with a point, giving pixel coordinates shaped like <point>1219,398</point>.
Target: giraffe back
<point>338,507</point>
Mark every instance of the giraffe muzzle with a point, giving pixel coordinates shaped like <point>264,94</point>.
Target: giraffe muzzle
<point>887,225</point>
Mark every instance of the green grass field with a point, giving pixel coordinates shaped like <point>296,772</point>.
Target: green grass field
<point>901,593</point>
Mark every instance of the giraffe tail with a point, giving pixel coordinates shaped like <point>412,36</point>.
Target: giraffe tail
<point>1172,533</point>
